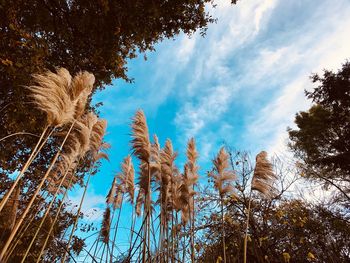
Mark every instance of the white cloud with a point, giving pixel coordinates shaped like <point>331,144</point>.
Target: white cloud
<point>261,11</point>
<point>185,50</point>
<point>194,116</point>
<point>328,51</point>
<point>93,204</point>
<point>201,105</point>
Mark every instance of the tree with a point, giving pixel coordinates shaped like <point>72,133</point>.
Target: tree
<point>322,138</point>
<point>282,229</point>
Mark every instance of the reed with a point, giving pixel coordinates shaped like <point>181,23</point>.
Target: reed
<point>262,182</point>
<point>141,148</point>
<point>97,151</point>
<point>223,178</point>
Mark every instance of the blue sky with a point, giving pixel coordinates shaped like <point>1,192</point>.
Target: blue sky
<point>242,83</point>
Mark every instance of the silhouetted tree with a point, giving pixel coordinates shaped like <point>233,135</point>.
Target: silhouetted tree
<point>322,138</point>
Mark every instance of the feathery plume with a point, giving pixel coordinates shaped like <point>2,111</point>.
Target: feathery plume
<point>192,157</point>
<point>186,195</point>
<point>76,146</point>
<point>264,176</point>
<point>168,172</point>
<point>127,178</point>
<point>83,131</point>
<point>112,192</point>
<point>176,191</point>
<point>106,225</point>
<point>155,161</point>
<point>140,142</point>
<point>192,169</point>
<point>139,201</point>
<point>51,95</point>
<point>221,175</point>
<point>96,140</point>
<point>66,164</point>
<point>118,197</point>
<point>80,91</point>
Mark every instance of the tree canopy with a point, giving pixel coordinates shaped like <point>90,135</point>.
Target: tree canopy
<point>322,137</point>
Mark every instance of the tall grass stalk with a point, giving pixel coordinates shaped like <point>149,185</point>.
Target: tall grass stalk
<point>76,218</point>
<point>23,216</point>
<point>262,182</point>
<point>246,230</point>
<point>46,213</point>
<point>55,219</point>
<point>116,226</point>
<point>32,156</point>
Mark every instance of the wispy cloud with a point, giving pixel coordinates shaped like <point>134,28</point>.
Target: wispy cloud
<point>195,115</point>
<point>261,73</point>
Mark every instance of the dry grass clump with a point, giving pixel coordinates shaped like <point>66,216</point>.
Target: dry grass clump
<point>264,176</point>
<point>222,177</point>
<point>262,181</point>
<point>140,142</point>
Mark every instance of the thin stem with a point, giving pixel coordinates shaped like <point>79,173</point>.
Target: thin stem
<point>192,229</point>
<point>246,231</point>
<point>25,167</point>
<point>223,229</point>
<point>88,252</point>
<point>54,222</point>
<point>23,230</point>
<point>132,227</point>
<point>103,252</point>
<point>116,226</point>
<point>98,239</point>
<point>20,221</point>
<point>138,235</point>
<point>18,133</point>
<point>46,213</point>
<point>77,218</point>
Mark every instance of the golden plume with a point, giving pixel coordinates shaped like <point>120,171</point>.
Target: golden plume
<point>155,161</point>
<point>96,140</point>
<point>80,91</point>
<point>126,178</point>
<point>264,176</point>
<point>143,182</point>
<point>51,95</point>
<point>140,142</point>
<point>185,198</point>
<point>192,157</point>
<point>75,148</point>
<point>176,201</point>
<point>83,131</point>
<point>168,172</point>
<point>221,175</point>
<point>106,225</point>
<point>66,164</point>
<point>112,192</point>
<point>192,173</point>
<point>118,197</point>
<point>139,202</point>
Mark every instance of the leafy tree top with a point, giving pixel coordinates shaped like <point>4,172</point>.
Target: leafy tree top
<point>322,137</point>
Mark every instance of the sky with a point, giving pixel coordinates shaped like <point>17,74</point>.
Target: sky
<point>241,84</point>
